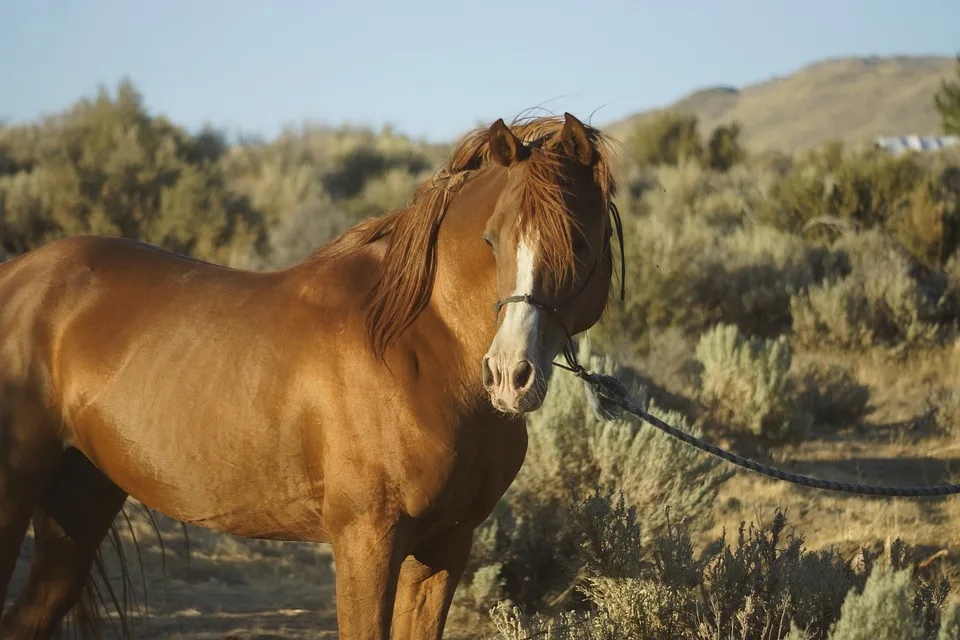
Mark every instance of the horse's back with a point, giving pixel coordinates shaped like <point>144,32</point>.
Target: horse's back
<point>110,282</point>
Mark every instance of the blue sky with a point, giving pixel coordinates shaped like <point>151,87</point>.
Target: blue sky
<point>431,69</point>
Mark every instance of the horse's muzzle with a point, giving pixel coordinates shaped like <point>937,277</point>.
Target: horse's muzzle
<point>515,384</point>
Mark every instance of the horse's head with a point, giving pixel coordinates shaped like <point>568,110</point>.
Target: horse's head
<point>550,236</point>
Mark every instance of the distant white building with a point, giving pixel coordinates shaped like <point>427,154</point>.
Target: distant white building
<point>900,144</point>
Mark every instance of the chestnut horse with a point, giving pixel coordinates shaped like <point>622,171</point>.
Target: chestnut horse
<point>370,396</point>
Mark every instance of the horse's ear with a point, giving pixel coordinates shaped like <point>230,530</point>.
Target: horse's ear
<point>505,147</point>
<point>576,143</point>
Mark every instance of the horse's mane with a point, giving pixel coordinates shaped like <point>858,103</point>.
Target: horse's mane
<point>408,269</point>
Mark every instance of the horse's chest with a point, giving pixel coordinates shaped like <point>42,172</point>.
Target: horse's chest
<point>472,478</point>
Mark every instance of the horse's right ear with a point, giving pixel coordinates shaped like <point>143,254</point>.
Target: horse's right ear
<point>505,147</point>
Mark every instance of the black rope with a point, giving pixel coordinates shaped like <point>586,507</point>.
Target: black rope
<point>617,397</point>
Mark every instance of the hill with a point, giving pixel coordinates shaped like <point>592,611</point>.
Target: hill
<point>850,99</point>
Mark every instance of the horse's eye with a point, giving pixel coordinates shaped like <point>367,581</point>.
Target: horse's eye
<point>488,240</point>
<point>580,245</point>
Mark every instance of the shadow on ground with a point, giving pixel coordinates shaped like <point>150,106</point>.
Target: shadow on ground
<point>230,588</point>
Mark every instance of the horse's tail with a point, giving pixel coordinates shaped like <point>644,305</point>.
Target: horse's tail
<point>101,600</point>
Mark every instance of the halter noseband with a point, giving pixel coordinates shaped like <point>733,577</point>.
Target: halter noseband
<point>568,351</point>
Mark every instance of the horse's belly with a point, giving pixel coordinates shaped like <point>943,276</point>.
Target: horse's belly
<point>243,480</point>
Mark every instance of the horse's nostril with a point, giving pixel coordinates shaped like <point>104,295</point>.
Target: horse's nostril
<point>486,373</point>
<point>522,375</point>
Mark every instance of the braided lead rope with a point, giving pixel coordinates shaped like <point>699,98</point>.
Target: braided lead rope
<point>611,394</point>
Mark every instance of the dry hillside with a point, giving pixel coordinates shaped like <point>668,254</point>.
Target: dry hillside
<point>851,99</point>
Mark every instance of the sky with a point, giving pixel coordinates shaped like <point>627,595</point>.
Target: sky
<point>431,69</point>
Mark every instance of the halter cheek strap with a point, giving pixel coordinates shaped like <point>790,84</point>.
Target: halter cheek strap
<point>569,350</point>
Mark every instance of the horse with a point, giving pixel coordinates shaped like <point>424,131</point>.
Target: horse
<point>371,396</point>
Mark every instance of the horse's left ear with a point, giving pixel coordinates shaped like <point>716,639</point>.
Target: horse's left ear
<point>575,140</point>
<point>505,147</point>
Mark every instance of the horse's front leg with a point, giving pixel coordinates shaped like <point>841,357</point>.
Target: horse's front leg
<point>428,580</point>
<point>368,553</point>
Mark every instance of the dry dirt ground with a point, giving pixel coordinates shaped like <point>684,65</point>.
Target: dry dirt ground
<point>235,588</point>
<point>231,588</point>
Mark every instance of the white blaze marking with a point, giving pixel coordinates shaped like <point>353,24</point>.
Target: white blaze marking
<point>521,322</point>
<point>524,269</point>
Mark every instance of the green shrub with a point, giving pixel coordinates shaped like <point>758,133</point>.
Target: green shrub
<point>745,383</point>
<point>928,224</point>
<point>654,471</point>
<point>274,183</point>
<point>883,611</point>
<point>895,602</point>
<point>879,304</point>
<point>762,269</point>
<point>663,277</point>
<point>107,167</point>
<point>946,101</point>
<point>391,190</point>
<point>352,173</point>
<point>353,167</point>
<point>681,273</point>
<point>869,187</point>
<point>950,622</point>
<point>766,586</point>
<point>833,396</point>
<point>724,149</point>
<point>688,188</point>
<point>854,190</point>
<point>679,190</point>
<point>299,233</point>
<point>668,138</point>
<point>25,206</point>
